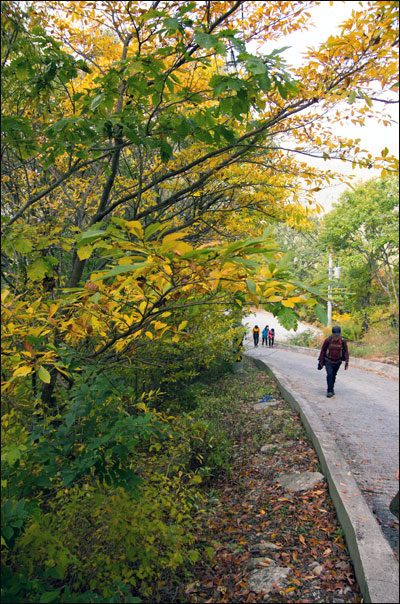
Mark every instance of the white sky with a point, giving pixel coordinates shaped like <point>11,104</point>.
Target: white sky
<point>374,137</point>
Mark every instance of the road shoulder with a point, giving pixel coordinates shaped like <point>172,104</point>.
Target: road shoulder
<point>376,568</point>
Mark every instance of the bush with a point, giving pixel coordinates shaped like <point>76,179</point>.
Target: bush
<point>308,339</point>
<point>93,537</point>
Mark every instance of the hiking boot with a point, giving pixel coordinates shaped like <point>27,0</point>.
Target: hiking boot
<point>330,394</point>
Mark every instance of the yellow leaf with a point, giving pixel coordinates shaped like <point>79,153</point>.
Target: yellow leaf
<point>175,338</point>
<point>181,248</point>
<point>135,227</point>
<point>53,309</point>
<point>85,252</point>
<point>21,371</point>
<point>159,325</point>
<point>149,335</point>
<point>274,298</point>
<point>288,303</point>
<point>182,325</point>
<point>173,237</point>
<point>44,375</point>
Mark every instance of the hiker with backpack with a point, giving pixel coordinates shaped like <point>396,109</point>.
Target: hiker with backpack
<point>256,334</point>
<point>334,350</point>
<point>264,334</point>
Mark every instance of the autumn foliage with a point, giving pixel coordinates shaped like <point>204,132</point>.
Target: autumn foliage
<point>148,150</point>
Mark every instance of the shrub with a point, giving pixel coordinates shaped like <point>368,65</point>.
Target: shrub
<point>94,537</point>
<point>307,338</point>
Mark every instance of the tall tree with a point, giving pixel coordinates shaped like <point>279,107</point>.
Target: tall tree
<point>363,229</point>
<point>131,134</point>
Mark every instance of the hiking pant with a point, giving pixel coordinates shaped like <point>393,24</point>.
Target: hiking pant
<point>255,337</point>
<point>264,340</point>
<point>331,371</point>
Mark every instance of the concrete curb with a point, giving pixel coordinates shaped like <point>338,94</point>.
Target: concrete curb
<point>381,368</point>
<point>375,566</point>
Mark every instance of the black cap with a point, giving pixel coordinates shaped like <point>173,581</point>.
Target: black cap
<point>336,329</point>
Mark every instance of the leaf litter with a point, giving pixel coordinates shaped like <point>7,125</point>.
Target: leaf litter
<point>251,512</point>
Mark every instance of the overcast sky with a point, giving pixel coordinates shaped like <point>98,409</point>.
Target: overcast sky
<point>374,137</point>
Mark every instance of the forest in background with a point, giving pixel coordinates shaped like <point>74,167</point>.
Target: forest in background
<point>149,164</point>
<point>361,232</point>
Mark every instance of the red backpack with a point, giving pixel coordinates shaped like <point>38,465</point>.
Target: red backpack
<point>336,352</point>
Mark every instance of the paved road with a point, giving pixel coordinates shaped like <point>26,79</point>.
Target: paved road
<point>363,418</point>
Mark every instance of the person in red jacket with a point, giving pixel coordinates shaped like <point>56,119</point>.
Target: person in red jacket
<point>334,350</point>
<point>271,337</point>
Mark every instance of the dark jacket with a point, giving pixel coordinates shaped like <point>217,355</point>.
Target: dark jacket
<point>334,354</point>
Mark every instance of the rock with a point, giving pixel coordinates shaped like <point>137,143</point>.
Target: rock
<point>266,448</point>
<point>264,562</point>
<point>300,481</point>
<point>263,547</point>
<point>263,579</point>
<point>261,406</point>
<point>317,570</point>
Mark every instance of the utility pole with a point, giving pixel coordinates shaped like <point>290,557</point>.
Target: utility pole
<point>330,275</point>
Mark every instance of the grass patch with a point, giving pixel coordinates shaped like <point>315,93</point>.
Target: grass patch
<point>380,345</point>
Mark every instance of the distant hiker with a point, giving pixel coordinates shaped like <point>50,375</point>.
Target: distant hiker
<point>264,334</point>
<point>333,352</point>
<point>271,337</point>
<point>256,334</point>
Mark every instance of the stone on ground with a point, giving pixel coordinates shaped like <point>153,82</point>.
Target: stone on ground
<point>300,481</point>
<point>262,406</point>
<point>264,579</point>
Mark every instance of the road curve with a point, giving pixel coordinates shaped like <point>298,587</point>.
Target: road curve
<point>362,418</point>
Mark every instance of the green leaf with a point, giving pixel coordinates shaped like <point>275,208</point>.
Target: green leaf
<point>11,457</point>
<point>309,288</point>
<point>95,298</point>
<point>69,419</point>
<point>204,40</point>
<point>251,285</point>
<point>172,24</point>
<point>88,236</point>
<point>287,318</point>
<point>204,136</point>
<point>44,375</point>
<point>165,151</point>
<point>228,135</point>
<point>321,314</point>
<point>123,268</point>
<point>22,245</point>
<point>97,101</point>
<point>256,66</point>
<point>50,596</point>
<point>284,261</point>
<point>282,89</point>
<point>39,269</point>
<point>352,97</point>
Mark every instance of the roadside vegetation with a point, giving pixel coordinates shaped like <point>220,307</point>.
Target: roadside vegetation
<point>181,526</point>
